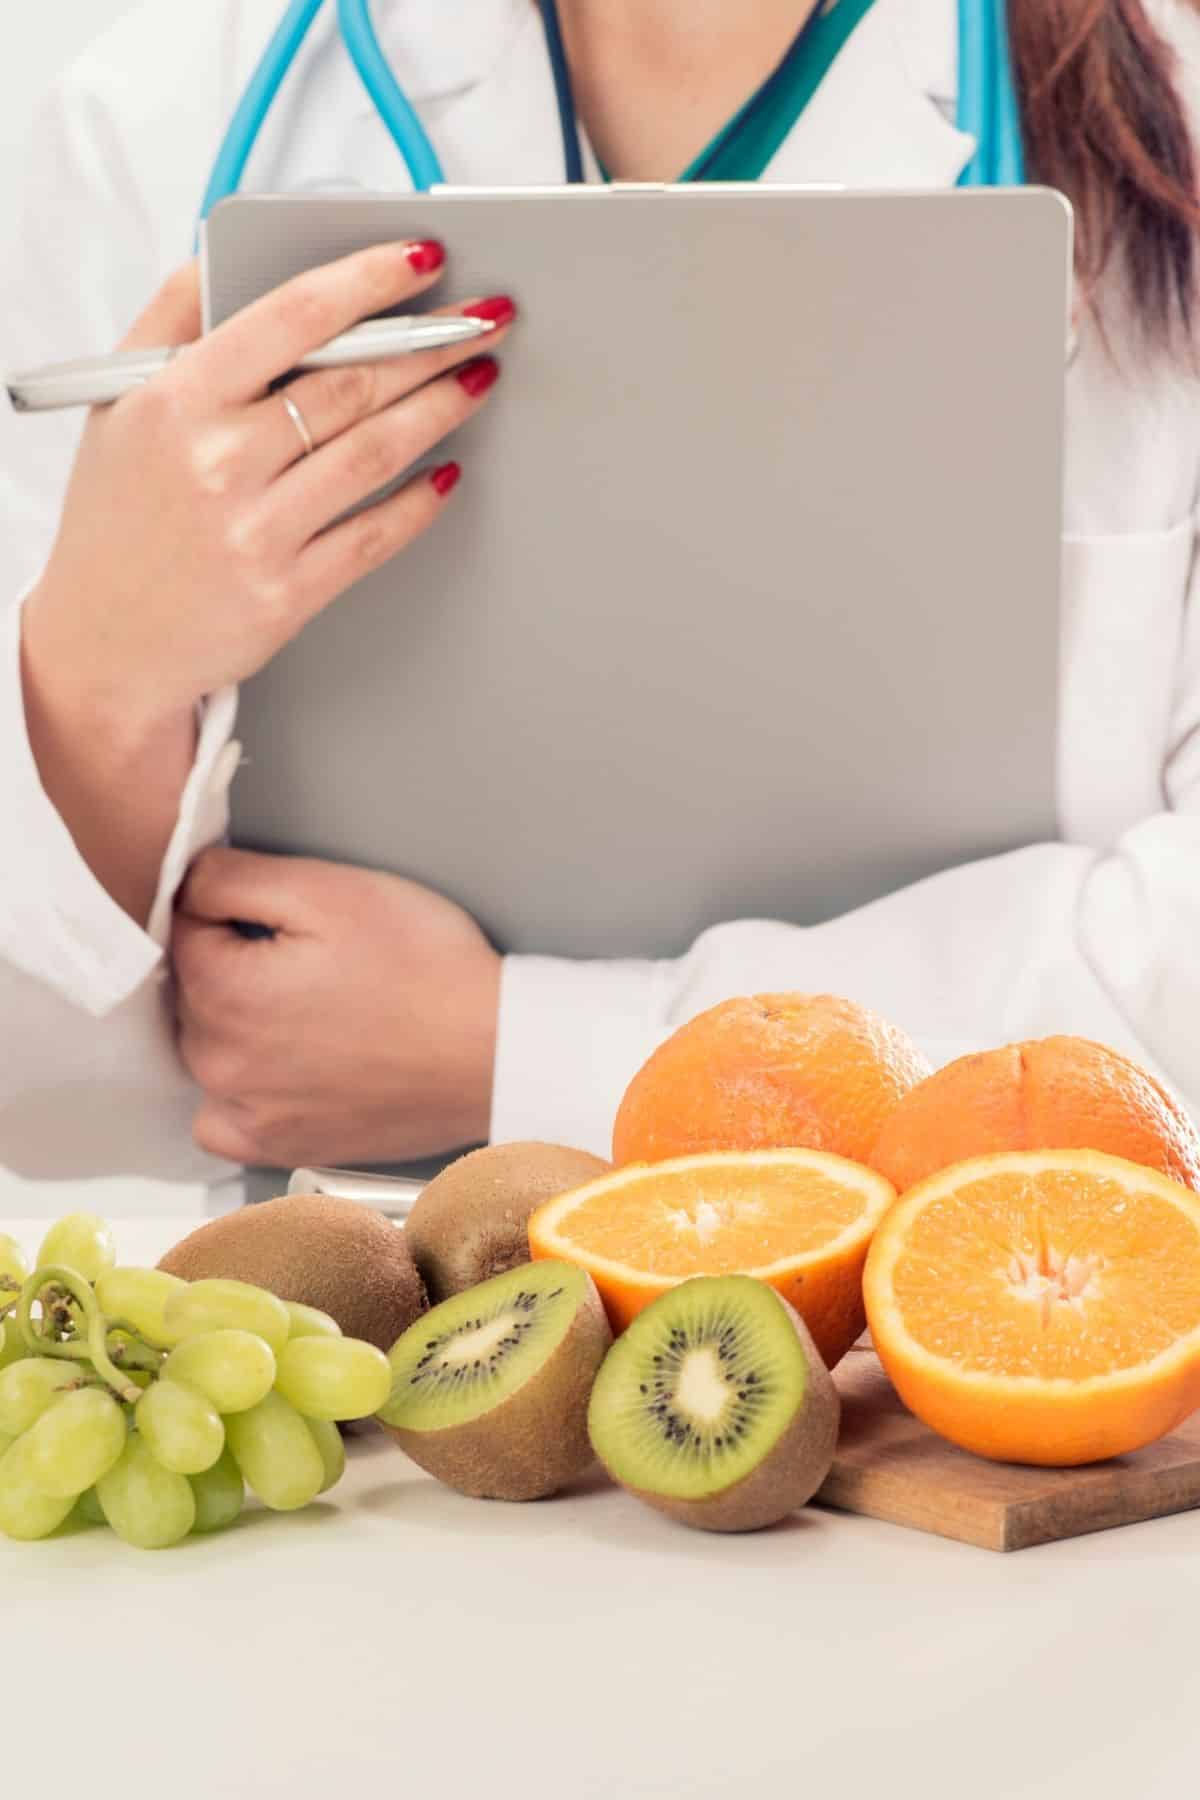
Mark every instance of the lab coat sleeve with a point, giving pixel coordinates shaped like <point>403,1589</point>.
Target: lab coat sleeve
<point>1051,938</point>
<point>90,1082</point>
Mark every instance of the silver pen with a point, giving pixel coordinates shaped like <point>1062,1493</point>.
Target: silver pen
<point>394,1195</point>
<point>97,381</point>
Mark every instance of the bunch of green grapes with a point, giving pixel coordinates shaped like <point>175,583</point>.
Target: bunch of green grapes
<point>132,1398</point>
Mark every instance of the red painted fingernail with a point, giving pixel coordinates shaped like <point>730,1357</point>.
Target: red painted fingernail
<point>446,477</point>
<point>426,256</point>
<point>478,375</point>
<point>499,309</point>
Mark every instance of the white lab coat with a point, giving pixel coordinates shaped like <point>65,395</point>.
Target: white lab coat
<point>1096,934</point>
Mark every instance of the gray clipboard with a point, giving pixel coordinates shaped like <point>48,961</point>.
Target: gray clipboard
<point>747,604</point>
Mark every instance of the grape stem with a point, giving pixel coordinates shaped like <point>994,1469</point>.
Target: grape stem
<point>93,1347</point>
<point>134,1352</point>
<point>44,1342</point>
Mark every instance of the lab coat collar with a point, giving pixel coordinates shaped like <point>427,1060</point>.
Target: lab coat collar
<point>438,48</point>
<point>882,117</point>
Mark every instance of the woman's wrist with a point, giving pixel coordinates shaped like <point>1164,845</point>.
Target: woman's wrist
<point>68,687</point>
<point>113,766</point>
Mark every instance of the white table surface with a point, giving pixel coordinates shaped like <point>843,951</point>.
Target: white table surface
<point>399,1640</point>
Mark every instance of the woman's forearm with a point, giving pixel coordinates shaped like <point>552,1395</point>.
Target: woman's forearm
<point>115,778</point>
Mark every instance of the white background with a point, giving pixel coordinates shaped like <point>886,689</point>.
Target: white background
<point>41,40</point>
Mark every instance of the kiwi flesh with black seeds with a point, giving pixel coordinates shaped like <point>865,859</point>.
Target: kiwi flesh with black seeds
<point>337,1255</point>
<point>490,1389</point>
<point>469,1223</point>
<point>715,1406</point>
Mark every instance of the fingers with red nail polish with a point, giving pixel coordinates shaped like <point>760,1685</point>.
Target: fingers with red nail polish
<point>445,477</point>
<point>425,256</point>
<point>498,308</point>
<point>477,376</point>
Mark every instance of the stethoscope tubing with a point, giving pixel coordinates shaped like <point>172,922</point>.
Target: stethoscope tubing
<point>391,102</point>
<point>250,114</point>
<point>987,103</point>
<point>564,94</point>
<point>389,99</point>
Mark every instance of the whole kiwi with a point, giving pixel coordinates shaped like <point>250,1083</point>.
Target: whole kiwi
<point>337,1255</point>
<point>469,1223</point>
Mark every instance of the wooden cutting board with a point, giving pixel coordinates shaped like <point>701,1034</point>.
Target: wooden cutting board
<point>890,1466</point>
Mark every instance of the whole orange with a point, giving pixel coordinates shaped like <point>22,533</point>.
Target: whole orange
<point>769,1071</point>
<point>1056,1093</point>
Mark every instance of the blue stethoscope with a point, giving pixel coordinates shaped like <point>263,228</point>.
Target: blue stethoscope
<point>987,102</point>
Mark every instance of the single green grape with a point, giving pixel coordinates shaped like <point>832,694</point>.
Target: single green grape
<point>12,1344</point>
<point>75,1442</point>
<point>28,1387</point>
<point>310,1321</point>
<point>220,1494</point>
<point>146,1505</point>
<point>25,1512</point>
<point>226,1306</point>
<point>234,1369</point>
<point>13,1269</point>
<point>276,1453</point>
<point>180,1426</point>
<point>139,1297</point>
<point>88,1509</point>
<point>82,1242</point>
<point>328,1440</point>
<point>334,1378</point>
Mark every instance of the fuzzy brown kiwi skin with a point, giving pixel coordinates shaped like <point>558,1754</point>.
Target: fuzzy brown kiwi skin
<point>787,1477</point>
<point>536,1441</point>
<point>334,1254</point>
<point>469,1223</point>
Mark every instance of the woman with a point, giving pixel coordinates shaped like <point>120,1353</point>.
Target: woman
<point>174,564</point>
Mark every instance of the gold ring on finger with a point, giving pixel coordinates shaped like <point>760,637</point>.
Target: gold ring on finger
<point>301,424</point>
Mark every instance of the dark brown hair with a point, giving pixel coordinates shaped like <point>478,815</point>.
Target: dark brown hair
<point>1105,123</point>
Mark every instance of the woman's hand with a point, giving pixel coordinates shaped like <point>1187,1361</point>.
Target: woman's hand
<point>192,544</point>
<point>363,1031</point>
<point>193,541</point>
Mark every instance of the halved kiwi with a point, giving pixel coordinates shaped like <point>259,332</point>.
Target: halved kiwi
<point>469,1223</point>
<point>490,1389</point>
<point>715,1406</point>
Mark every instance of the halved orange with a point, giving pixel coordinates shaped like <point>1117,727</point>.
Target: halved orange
<point>800,1220</point>
<point>1041,1306</point>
